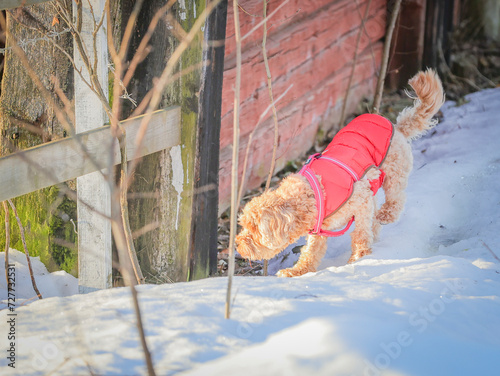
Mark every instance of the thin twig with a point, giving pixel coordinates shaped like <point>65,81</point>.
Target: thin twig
<point>145,229</point>
<point>126,271</point>
<point>120,134</point>
<point>250,139</point>
<point>139,110</point>
<point>7,240</point>
<point>126,224</point>
<point>23,238</point>
<point>47,96</point>
<point>385,57</point>
<point>142,334</point>
<point>275,115</point>
<point>142,50</point>
<point>120,225</point>
<point>63,98</point>
<point>270,89</point>
<point>257,27</point>
<point>84,55</point>
<point>234,171</point>
<point>157,90</point>
<point>489,249</point>
<point>354,62</point>
<point>370,42</point>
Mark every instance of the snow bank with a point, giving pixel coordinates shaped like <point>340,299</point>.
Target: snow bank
<point>49,284</point>
<point>426,302</point>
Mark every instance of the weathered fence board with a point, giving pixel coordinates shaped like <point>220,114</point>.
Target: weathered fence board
<point>94,232</point>
<point>62,160</point>
<point>9,4</point>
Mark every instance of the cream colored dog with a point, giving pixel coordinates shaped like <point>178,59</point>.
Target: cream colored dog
<point>280,217</point>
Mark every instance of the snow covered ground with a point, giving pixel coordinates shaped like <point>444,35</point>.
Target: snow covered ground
<point>426,302</point>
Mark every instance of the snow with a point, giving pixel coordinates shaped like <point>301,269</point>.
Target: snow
<point>426,302</point>
<point>49,284</point>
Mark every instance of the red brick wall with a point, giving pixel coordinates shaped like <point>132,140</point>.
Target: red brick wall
<point>311,45</point>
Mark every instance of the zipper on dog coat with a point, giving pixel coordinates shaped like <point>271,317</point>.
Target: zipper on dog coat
<point>360,145</point>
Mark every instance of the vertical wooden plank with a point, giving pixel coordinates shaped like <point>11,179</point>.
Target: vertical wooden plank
<point>439,24</point>
<point>408,46</point>
<point>203,246</point>
<point>94,231</point>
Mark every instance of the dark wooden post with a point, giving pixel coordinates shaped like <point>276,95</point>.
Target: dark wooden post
<point>422,37</point>
<point>439,24</point>
<point>408,44</point>
<point>203,246</point>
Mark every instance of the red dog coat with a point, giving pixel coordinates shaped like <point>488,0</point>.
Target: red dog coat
<point>361,144</point>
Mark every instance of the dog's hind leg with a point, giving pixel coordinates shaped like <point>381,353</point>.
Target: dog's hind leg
<point>310,257</point>
<point>362,237</point>
<point>376,224</point>
<point>392,208</point>
<point>397,167</point>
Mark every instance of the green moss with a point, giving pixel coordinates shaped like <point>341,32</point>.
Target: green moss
<point>111,84</point>
<point>320,136</point>
<point>45,216</point>
<point>189,89</point>
<point>21,99</point>
<point>62,234</point>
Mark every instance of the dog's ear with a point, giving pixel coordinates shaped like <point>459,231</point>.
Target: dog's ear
<point>249,217</point>
<point>276,224</point>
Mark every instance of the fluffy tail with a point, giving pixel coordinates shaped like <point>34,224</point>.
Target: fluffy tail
<point>414,121</point>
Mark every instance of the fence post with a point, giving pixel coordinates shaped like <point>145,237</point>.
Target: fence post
<point>203,245</point>
<point>94,231</point>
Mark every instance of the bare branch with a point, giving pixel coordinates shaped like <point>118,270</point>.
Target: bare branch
<point>47,96</point>
<point>234,171</point>
<point>275,115</point>
<point>256,27</point>
<point>354,61</point>
<point>7,240</point>
<point>385,57</point>
<point>143,106</point>
<point>166,75</point>
<point>23,238</point>
<point>250,139</point>
<point>143,49</point>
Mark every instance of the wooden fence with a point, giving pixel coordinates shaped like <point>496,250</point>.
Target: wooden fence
<point>59,161</point>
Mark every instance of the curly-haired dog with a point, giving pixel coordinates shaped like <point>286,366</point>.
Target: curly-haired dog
<point>338,186</point>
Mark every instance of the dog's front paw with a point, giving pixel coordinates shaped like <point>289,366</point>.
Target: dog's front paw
<point>360,253</point>
<point>389,213</point>
<point>285,273</point>
<point>386,216</point>
<point>291,272</point>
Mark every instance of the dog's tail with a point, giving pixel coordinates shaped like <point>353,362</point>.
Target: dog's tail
<point>414,121</point>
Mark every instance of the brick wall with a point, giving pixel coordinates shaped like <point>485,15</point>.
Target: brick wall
<point>310,45</point>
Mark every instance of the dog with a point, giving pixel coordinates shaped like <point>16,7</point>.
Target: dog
<point>279,217</point>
